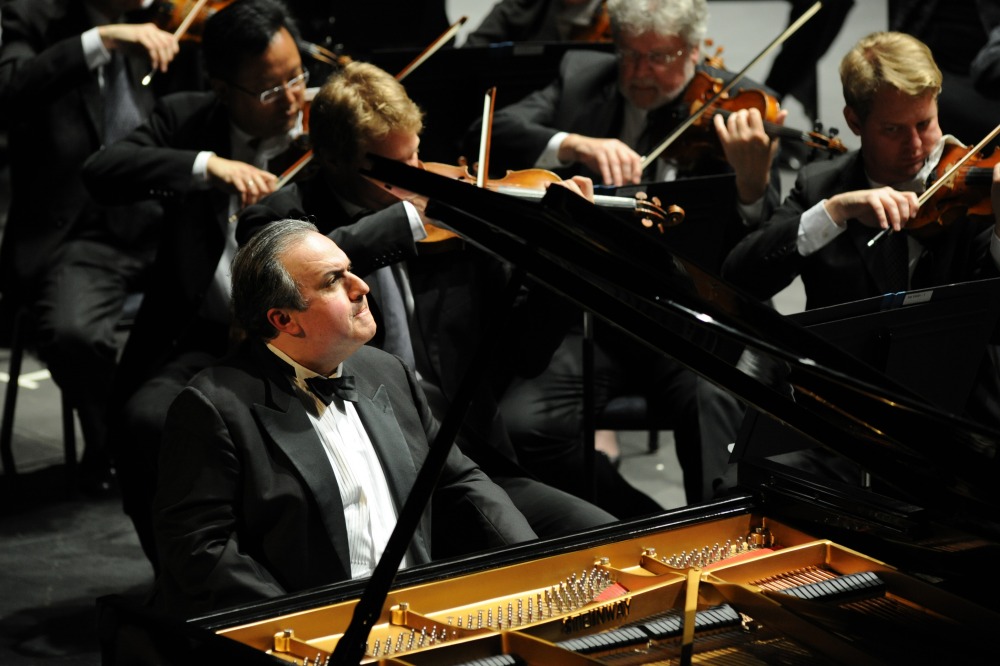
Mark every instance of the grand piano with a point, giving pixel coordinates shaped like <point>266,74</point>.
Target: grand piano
<point>891,565</point>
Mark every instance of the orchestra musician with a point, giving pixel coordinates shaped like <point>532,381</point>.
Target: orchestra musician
<point>432,309</point>
<point>821,232</point>
<point>598,117</point>
<point>69,86</point>
<point>270,484</point>
<point>206,154</point>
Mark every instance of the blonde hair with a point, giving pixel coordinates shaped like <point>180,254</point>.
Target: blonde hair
<point>356,107</point>
<point>892,59</point>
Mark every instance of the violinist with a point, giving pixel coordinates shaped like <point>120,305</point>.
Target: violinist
<point>822,230</point>
<point>432,306</point>
<point>601,114</point>
<point>205,155</point>
<point>69,85</point>
<point>604,112</point>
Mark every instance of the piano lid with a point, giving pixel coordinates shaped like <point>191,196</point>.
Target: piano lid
<point>639,283</point>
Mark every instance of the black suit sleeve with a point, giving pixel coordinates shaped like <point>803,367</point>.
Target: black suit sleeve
<point>155,160</point>
<point>196,520</point>
<point>767,259</point>
<point>372,241</point>
<point>34,70</point>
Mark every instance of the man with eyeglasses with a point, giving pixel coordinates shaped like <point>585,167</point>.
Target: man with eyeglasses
<point>206,155</point>
<point>602,113</point>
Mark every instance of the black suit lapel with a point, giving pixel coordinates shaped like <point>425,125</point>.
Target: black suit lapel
<point>375,410</point>
<point>288,425</point>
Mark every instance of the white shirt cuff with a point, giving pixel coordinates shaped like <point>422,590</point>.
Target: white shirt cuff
<point>199,170</point>
<point>94,51</point>
<point>549,159</point>
<point>416,224</point>
<point>816,229</point>
<point>751,213</point>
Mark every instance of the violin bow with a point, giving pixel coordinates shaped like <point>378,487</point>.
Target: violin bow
<point>693,118</point>
<point>486,137</point>
<point>945,177</point>
<point>179,32</point>
<point>301,163</point>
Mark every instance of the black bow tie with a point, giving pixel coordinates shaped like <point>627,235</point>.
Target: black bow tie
<point>327,387</point>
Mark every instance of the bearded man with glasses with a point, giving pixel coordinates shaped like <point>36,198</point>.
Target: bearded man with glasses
<point>206,155</point>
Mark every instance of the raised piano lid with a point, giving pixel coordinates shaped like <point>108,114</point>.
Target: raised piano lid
<point>624,274</point>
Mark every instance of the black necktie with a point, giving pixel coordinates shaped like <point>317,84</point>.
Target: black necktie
<point>896,260</point>
<point>327,387</point>
<point>121,113</point>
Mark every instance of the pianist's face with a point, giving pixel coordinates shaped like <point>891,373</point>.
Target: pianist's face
<point>336,321</point>
<point>273,69</point>
<point>654,69</point>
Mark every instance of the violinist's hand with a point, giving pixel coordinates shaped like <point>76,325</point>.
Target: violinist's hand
<point>881,208</point>
<point>249,182</point>
<point>749,150</point>
<point>617,163</point>
<point>159,45</point>
<point>580,184</point>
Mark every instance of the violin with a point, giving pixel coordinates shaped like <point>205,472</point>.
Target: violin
<point>963,192</point>
<point>703,90</point>
<point>531,184</point>
<point>186,18</point>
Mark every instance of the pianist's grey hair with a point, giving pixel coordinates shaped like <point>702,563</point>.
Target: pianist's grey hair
<point>686,18</point>
<point>260,279</point>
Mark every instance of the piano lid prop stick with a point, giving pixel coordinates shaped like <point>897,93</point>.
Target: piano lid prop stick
<point>350,648</point>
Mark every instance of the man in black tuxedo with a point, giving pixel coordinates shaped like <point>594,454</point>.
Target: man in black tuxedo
<point>206,154</point>
<point>269,485</point>
<point>452,288</point>
<point>69,86</point>
<point>822,230</point>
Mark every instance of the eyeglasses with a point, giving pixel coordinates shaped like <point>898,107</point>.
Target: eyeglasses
<point>655,59</point>
<point>271,94</point>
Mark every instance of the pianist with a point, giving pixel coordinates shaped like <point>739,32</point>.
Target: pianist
<point>270,483</point>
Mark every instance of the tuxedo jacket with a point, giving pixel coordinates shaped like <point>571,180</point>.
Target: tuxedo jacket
<point>53,111</point>
<point>846,269</point>
<point>155,161</point>
<point>252,509</point>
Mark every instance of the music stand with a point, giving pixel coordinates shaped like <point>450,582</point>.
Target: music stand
<point>931,341</point>
<point>711,224</point>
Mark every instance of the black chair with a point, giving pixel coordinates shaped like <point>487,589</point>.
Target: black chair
<point>23,324</point>
<point>21,333</point>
